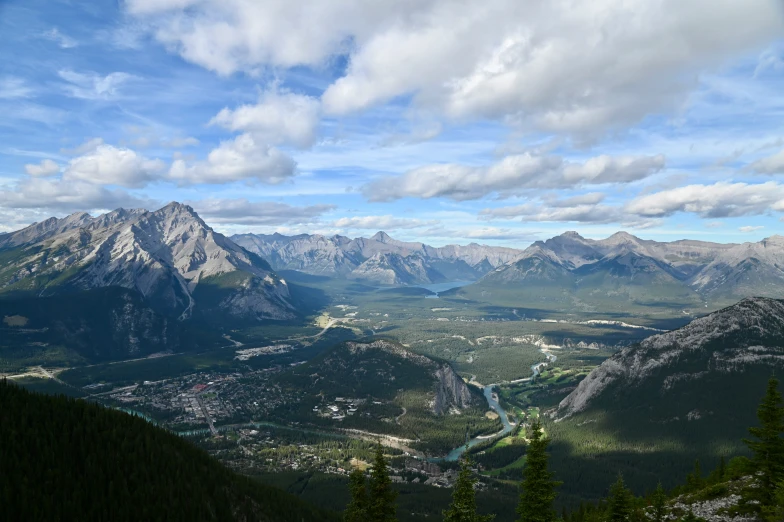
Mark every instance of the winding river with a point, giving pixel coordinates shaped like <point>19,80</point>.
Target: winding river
<point>494,405</point>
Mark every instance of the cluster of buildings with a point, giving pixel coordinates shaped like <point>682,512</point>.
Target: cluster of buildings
<point>338,409</point>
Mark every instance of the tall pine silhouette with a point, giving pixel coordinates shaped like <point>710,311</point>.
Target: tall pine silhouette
<point>538,495</point>
<point>768,449</point>
<point>381,502</point>
<point>463,507</point>
<point>620,503</point>
<point>357,509</point>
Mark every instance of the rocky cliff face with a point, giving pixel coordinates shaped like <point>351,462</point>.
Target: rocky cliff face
<point>451,391</point>
<point>164,255</point>
<point>727,341</point>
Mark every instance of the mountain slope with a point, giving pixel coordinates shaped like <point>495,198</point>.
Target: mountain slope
<point>393,390</point>
<point>164,255</point>
<point>654,407</point>
<point>66,459</point>
<point>747,334</point>
<point>394,269</point>
<point>747,269</point>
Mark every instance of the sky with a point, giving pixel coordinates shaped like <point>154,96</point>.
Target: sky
<point>444,121</point>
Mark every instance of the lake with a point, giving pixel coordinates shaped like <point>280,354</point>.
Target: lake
<point>443,287</point>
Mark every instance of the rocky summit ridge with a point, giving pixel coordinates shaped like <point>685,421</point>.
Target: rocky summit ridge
<point>168,256</point>
<point>727,341</point>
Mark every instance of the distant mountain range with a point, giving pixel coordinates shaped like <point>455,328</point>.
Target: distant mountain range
<point>379,259</point>
<point>623,268</point>
<point>182,267</point>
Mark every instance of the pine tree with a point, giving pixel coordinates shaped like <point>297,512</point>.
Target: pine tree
<point>381,506</point>
<point>619,508</point>
<point>463,507</point>
<point>536,499</point>
<point>356,511</point>
<point>694,479</point>
<point>768,450</point>
<point>659,504</point>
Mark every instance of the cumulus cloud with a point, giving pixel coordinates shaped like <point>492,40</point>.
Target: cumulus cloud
<point>111,165</point>
<point>711,201</point>
<point>770,165</point>
<point>278,117</point>
<point>92,86</point>
<point>387,222</point>
<point>46,168</point>
<point>243,158</point>
<point>56,195</point>
<point>748,229</point>
<point>556,66</point>
<point>244,212</point>
<point>513,173</point>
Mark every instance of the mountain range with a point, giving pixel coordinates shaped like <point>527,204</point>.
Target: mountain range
<point>591,275</point>
<point>182,267</point>
<point>379,259</point>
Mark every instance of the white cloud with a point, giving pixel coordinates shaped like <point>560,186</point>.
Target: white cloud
<point>64,41</point>
<point>387,222</point>
<point>109,165</point>
<point>14,88</point>
<point>748,229</point>
<point>92,86</point>
<point>244,212</point>
<point>188,141</point>
<point>510,175</point>
<point>770,165</point>
<point>88,146</point>
<point>278,117</point>
<point>714,224</point>
<point>481,233</point>
<point>559,66</point>
<point>46,168</point>
<point>591,198</point>
<point>55,195</point>
<point>711,201</point>
<point>243,158</point>
<point>150,139</point>
<point>580,213</point>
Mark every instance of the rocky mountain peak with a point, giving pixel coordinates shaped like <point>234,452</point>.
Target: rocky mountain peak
<point>620,238</point>
<point>381,237</point>
<point>773,241</point>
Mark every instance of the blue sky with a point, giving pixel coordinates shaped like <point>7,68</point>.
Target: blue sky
<point>444,121</point>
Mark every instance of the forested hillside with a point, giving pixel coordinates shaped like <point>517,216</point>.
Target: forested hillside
<point>67,459</point>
